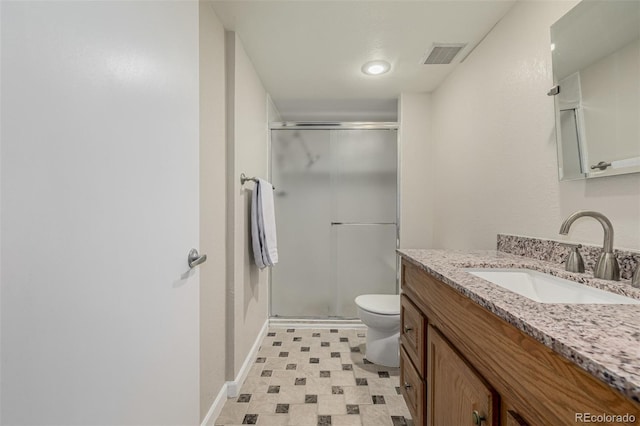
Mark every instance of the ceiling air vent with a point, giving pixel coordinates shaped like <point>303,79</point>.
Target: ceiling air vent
<point>442,53</point>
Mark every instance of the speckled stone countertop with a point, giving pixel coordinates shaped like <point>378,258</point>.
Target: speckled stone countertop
<point>601,339</point>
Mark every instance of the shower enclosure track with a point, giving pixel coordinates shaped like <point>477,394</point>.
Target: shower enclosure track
<point>329,125</point>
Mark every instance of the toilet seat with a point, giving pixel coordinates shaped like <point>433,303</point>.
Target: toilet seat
<point>381,304</point>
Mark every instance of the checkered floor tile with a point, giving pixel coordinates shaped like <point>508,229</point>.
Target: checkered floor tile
<point>317,377</point>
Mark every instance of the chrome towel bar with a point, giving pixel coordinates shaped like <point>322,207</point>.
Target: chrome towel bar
<point>244,179</point>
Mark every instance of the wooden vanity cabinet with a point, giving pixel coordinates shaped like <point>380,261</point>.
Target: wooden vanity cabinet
<point>413,365</point>
<point>471,360</point>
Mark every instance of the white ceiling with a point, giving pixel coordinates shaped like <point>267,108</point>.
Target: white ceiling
<point>310,50</point>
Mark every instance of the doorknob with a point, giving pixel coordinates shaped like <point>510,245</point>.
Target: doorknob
<point>194,259</point>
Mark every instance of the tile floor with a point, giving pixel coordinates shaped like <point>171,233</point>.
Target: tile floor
<point>317,377</point>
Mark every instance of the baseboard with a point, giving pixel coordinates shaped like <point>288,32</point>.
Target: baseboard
<point>216,407</point>
<point>315,323</point>
<point>233,387</point>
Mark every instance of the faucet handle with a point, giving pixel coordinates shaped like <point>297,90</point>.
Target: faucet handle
<point>635,280</point>
<point>570,245</point>
<point>574,261</point>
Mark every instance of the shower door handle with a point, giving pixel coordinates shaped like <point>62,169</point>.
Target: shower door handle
<point>362,223</point>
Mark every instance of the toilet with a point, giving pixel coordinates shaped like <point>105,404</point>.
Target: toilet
<point>381,314</point>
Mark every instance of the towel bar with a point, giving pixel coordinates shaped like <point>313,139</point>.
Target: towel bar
<point>244,179</point>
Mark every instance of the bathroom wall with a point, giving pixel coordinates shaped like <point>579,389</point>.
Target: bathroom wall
<point>493,130</point>
<point>212,207</point>
<point>247,136</point>
<point>338,109</point>
<point>416,171</point>
<point>273,114</point>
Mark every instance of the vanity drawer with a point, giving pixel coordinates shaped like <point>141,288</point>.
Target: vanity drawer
<point>413,388</point>
<point>413,326</point>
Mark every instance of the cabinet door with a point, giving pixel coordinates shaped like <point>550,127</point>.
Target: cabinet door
<point>457,395</point>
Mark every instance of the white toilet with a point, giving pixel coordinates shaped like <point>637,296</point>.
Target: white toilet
<point>381,314</point>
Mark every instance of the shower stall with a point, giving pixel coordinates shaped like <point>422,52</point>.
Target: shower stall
<point>336,203</point>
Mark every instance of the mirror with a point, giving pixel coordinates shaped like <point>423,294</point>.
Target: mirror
<point>596,72</point>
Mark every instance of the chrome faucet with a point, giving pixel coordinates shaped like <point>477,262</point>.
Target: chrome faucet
<point>607,265</point>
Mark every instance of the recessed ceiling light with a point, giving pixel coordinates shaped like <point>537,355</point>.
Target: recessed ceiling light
<point>553,47</point>
<point>376,67</point>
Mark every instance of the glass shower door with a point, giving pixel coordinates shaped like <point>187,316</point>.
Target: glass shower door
<point>363,217</point>
<point>301,283</point>
<point>336,217</point>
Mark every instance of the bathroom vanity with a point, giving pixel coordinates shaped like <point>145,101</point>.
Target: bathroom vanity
<point>475,353</point>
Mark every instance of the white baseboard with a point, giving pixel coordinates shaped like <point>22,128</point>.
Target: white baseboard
<point>216,407</point>
<point>315,323</point>
<point>231,389</point>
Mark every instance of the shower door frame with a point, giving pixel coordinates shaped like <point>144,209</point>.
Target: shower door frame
<point>340,125</point>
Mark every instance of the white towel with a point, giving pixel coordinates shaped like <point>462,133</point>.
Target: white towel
<point>268,221</point>
<point>263,225</point>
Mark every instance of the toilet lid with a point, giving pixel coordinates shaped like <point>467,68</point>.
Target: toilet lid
<point>383,304</point>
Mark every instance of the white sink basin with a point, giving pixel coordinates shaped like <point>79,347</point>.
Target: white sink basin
<point>544,288</point>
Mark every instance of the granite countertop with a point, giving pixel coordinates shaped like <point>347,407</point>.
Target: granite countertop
<point>601,339</point>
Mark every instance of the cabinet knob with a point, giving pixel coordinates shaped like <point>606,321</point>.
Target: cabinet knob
<point>406,385</point>
<point>477,418</point>
<point>407,329</point>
